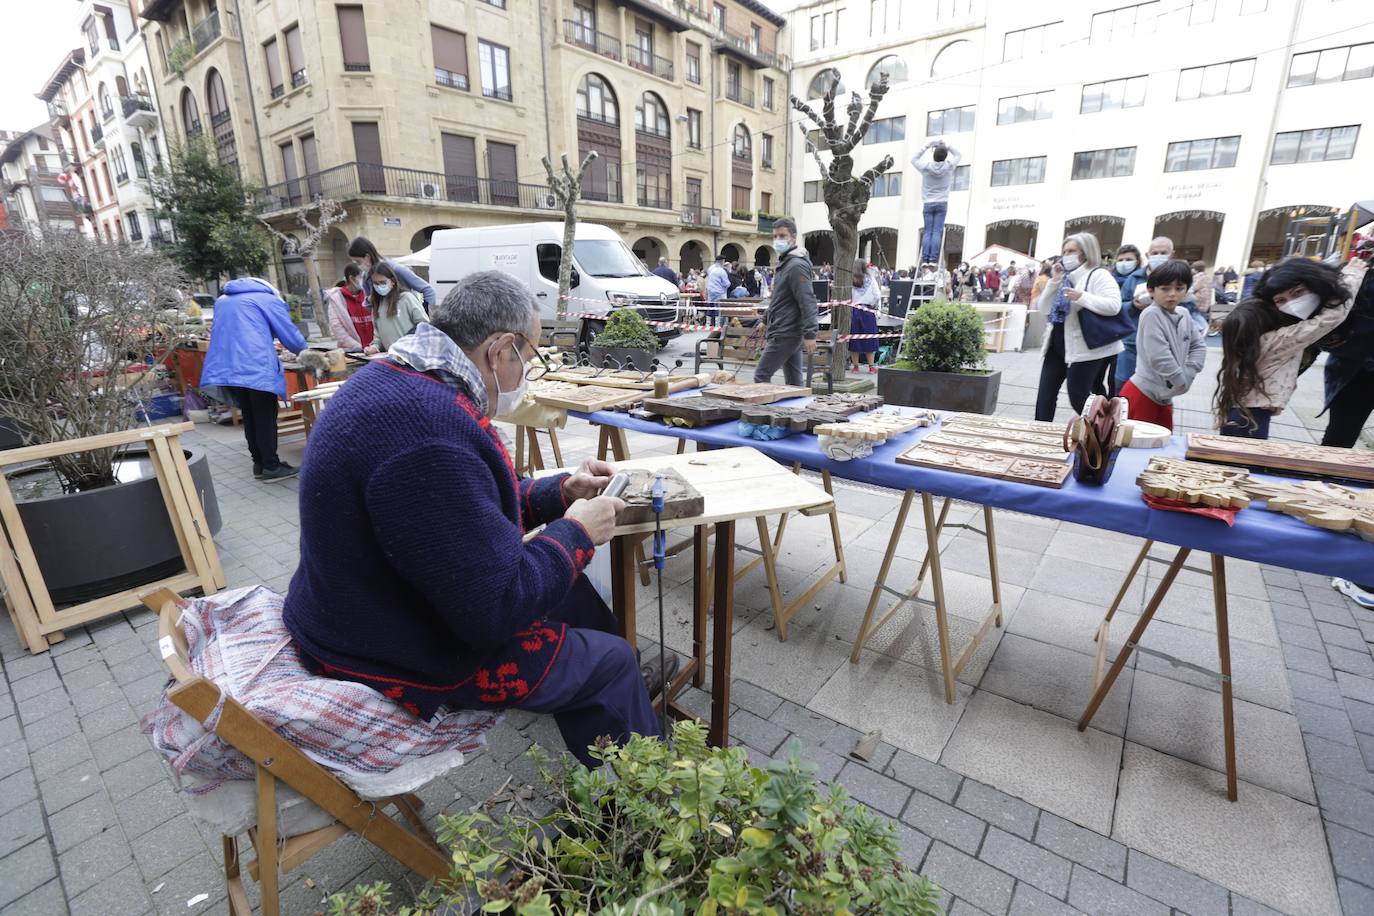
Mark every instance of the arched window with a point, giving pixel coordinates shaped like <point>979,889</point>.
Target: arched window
<point>743,145</point>
<point>217,100</point>
<point>190,113</point>
<point>121,86</point>
<point>106,106</point>
<point>596,100</point>
<point>893,66</point>
<point>221,121</point>
<point>955,57</point>
<point>821,83</point>
<point>140,165</point>
<point>651,115</point>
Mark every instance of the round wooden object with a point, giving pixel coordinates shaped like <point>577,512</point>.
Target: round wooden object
<point>1140,434</point>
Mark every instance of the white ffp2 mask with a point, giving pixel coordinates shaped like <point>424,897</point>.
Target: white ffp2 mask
<point>1301,307</point>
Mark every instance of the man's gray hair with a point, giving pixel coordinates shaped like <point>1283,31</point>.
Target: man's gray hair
<point>482,304</point>
<point>1163,241</point>
<point>662,262</point>
<point>786,222</point>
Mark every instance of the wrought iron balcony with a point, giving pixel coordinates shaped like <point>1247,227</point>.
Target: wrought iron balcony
<point>649,62</point>
<point>107,113</point>
<point>57,112</point>
<point>450,79</point>
<point>206,32</point>
<point>299,78</point>
<point>138,110</point>
<point>695,215</point>
<point>575,33</point>
<point>361,179</point>
<point>97,136</point>
<point>658,200</point>
<point>193,129</point>
<point>740,94</point>
<point>748,50</point>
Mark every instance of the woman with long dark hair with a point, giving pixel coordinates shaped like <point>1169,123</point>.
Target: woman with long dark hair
<point>395,312</point>
<point>365,255</point>
<point>1295,303</point>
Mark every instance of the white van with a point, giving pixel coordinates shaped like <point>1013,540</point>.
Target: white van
<point>606,274</point>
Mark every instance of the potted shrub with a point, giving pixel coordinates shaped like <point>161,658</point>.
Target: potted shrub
<point>81,325</point>
<point>671,829</point>
<point>627,340</point>
<point>940,361</point>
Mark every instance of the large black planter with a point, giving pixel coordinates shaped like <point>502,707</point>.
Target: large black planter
<point>622,357</point>
<point>99,542</point>
<point>10,434</point>
<point>968,392</point>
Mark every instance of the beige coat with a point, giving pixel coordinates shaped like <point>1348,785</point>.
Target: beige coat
<point>1100,295</point>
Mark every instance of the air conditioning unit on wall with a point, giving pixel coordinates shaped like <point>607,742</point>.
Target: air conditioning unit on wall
<point>546,200</point>
<point>429,191</point>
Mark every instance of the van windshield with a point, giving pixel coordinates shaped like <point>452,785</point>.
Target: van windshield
<point>607,258</point>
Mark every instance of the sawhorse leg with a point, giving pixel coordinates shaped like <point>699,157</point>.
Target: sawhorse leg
<point>950,668</point>
<point>1104,628</point>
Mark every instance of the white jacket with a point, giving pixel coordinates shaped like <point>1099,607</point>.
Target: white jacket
<point>1100,295</point>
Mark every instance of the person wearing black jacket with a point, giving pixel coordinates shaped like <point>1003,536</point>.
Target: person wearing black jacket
<point>791,320</point>
<point>1349,393</point>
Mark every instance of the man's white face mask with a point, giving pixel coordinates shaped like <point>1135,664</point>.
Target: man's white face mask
<point>507,401</point>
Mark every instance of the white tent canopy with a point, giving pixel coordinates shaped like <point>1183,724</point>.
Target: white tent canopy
<point>1002,256</point>
<point>416,258</point>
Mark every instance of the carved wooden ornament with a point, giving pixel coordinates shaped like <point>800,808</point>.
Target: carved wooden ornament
<point>1319,460</point>
<point>985,464</point>
<point>1194,483</point>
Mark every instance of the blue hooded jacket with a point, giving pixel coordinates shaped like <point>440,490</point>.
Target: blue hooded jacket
<point>247,317</point>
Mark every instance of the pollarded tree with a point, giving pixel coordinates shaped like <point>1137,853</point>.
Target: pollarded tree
<point>327,212</point>
<point>567,189</point>
<point>846,196</point>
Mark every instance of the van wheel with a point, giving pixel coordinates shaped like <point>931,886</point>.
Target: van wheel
<point>591,329</point>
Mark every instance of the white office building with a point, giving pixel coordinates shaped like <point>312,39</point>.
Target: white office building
<point>1213,122</point>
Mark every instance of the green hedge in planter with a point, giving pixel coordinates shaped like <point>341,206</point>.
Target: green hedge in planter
<point>627,328</point>
<point>673,830</point>
<point>943,336</point>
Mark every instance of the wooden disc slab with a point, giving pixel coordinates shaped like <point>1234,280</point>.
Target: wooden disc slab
<point>758,393</point>
<point>1139,434</point>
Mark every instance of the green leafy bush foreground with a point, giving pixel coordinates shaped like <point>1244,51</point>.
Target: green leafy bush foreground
<point>685,830</point>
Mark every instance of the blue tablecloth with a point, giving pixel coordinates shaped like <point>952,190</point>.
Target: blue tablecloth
<point>1258,534</point>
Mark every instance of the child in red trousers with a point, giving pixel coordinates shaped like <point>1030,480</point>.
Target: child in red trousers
<point>1170,348</point>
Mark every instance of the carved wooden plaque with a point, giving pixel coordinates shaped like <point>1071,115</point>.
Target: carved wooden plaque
<point>797,419</point>
<point>985,464</point>
<point>758,392</point>
<point>1319,460</point>
<point>588,398</point>
<point>878,427</point>
<point>846,404</point>
<point>699,410</point>
<point>959,438</point>
<point>586,375</point>
<point>1322,505</point>
<point>1006,429</point>
<point>681,499</point>
<point>1195,483</point>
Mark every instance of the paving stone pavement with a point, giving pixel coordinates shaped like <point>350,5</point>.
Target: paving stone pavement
<point>90,821</point>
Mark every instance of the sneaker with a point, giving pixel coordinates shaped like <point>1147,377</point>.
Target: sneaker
<point>257,471</point>
<point>1352,591</point>
<point>281,472</point>
<point>872,369</point>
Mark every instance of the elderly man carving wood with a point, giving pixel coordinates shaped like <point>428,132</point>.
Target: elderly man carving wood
<point>415,576</point>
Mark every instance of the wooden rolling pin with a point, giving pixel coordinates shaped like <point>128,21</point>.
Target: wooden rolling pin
<point>666,384</point>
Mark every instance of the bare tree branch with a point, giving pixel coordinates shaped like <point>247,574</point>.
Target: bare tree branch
<point>871,174</point>
<point>857,131</point>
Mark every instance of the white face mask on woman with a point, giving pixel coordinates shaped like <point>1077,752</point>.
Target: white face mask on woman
<point>1301,307</point>
<point>1070,262</point>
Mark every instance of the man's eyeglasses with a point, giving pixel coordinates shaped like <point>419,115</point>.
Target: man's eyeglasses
<point>538,368</point>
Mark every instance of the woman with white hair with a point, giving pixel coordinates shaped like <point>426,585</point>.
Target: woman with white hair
<point>1077,282</point>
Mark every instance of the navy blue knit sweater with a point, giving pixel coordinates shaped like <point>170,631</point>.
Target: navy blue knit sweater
<point>414,577</point>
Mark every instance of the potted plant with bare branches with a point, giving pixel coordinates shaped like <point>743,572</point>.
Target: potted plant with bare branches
<point>83,326</point>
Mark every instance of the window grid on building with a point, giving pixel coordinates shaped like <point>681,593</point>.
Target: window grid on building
<point>949,121</point>
<point>886,130</point>
<point>1033,106</point>
<point>889,184</point>
<point>825,29</point>
<point>1124,22</point>
<point>1229,78</point>
<point>494,61</point>
<point>1103,163</point>
<point>1029,42</point>
<point>884,17</point>
<point>766,151</point>
<point>811,192</point>
<point>1332,65</point>
<point>961,177</point>
<point>1319,145</point>
<point>693,128</point>
<point>1199,155</point>
<point>1029,170</point>
<point>1112,95</point>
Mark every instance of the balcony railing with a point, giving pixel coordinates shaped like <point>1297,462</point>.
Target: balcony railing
<point>498,92</point>
<point>107,113</point>
<point>576,33</point>
<point>205,32</point>
<point>132,104</point>
<point>658,200</point>
<point>746,216</point>
<point>745,44</point>
<point>97,136</point>
<point>649,62</point>
<point>357,68</point>
<point>193,129</point>
<point>278,91</point>
<point>57,110</point>
<point>121,176</point>
<point>299,78</point>
<point>766,222</point>
<point>695,215</point>
<point>355,179</point>
<point>450,78</point>
<point>740,94</point>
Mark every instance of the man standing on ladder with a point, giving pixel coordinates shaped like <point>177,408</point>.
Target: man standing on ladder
<point>936,162</point>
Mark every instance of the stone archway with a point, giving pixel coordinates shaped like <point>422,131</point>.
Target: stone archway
<point>423,238</point>
<point>763,256</point>
<point>333,255</point>
<point>1106,229</point>
<point>1195,233</point>
<point>820,245</point>
<point>878,246</point>
<point>1016,234</point>
<point>732,252</point>
<point>1271,228</point>
<point>954,245</point>
<point>691,256</point>
<point>649,249</point>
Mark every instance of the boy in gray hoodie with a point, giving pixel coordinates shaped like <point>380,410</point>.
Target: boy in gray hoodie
<point>1170,348</point>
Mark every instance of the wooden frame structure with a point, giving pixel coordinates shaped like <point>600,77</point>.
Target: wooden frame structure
<point>30,605</point>
<point>1103,685</point>
<point>277,760</point>
<point>950,669</point>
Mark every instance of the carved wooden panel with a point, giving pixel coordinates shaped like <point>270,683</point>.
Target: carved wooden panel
<point>681,499</point>
<point>847,404</point>
<point>878,427</point>
<point>797,419</point>
<point>985,464</point>
<point>586,375</point>
<point>1005,428</point>
<point>698,410</point>
<point>1195,483</point>
<point>960,438</point>
<point>1320,460</point>
<point>758,392</point>
<point>1322,505</point>
<point>588,398</point>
